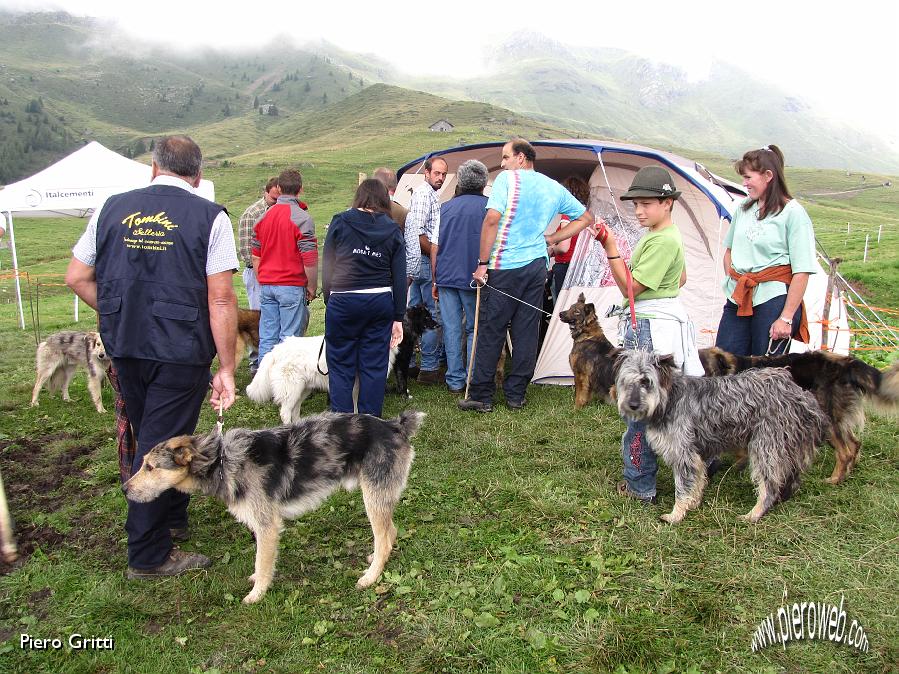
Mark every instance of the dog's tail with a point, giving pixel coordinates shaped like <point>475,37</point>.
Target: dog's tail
<point>410,421</point>
<point>260,389</point>
<point>886,394</point>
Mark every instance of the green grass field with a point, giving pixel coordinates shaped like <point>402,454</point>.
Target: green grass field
<point>514,554</point>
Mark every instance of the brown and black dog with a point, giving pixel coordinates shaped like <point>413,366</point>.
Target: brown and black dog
<point>247,332</point>
<point>840,384</point>
<point>592,357</point>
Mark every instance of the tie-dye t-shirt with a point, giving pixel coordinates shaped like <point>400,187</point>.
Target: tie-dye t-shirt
<point>527,202</point>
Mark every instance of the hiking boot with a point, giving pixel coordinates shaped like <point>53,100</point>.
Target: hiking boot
<point>622,490</point>
<point>469,405</point>
<point>516,404</point>
<point>429,377</point>
<point>180,534</point>
<point>176,563</point>
<point>458,392</point>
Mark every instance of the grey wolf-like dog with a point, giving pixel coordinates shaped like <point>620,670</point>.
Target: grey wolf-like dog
<point>270,475</point>
<point>61,354</point>
<point>692,419</point>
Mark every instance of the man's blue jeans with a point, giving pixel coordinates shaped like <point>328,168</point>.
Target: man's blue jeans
<point>431,340</point>
<point>453,303</point>
<point>283,314</point>
<point>640,466</point>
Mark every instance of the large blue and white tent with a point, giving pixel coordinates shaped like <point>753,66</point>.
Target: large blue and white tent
<point>702,213</point>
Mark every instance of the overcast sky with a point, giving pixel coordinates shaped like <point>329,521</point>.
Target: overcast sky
<point>844,60</point>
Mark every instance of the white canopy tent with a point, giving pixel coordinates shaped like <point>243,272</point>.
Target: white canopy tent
<point>74,186</point>
<point>702,213</point>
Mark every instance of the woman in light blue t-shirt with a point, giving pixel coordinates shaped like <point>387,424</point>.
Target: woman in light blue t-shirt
<point>770,236</point>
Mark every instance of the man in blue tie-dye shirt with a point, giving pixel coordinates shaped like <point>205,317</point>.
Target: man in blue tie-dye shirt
<point>513,250</point>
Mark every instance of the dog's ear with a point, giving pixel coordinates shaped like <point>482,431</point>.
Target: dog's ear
<point>589,309</point>
<point>616,364</point>
<point>666,368</point>
<point>581,298</point>
<point>666,361</point>
<point>184,453</point>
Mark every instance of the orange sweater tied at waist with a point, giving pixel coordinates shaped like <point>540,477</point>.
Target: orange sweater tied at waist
<point>742,294</point>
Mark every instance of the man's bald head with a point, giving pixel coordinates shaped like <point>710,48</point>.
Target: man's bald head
<point>387,177</point>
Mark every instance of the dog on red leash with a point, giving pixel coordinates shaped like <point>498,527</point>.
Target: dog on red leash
<point>592,357</point>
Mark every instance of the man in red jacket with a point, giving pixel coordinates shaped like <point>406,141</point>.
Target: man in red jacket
<point>285,257</point>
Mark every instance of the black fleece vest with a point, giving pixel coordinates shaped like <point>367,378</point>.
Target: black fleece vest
<point>151,275</point>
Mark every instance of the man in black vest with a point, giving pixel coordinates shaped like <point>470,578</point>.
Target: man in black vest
<point>157,264</point>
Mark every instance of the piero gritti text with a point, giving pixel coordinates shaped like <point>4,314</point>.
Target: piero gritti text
<point>74,642</point>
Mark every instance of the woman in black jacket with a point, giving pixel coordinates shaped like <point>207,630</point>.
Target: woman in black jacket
<point>364,288</point>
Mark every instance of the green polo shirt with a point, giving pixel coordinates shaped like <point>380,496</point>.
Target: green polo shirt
<point>657,263</point>
<point>782,238</point>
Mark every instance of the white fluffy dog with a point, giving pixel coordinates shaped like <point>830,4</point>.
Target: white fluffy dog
<point>291,371</point>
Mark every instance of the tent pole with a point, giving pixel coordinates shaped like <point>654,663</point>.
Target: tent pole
<point>15,269</point>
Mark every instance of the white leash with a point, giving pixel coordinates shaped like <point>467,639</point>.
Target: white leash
<point>220,425</point>
<point>475,284</point>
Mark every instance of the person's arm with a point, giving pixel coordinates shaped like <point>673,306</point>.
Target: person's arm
<point>244,238</point>
<point>779,328</point>
<point>434,293</point>
<point>223,323</point>
<point>489,228</point>
<point>82,279</point>
<point>618,267</point>
<point>329,257</point>
<point>575,226</point>
<point>308,247</point>
<point>683,278</point>
<point>803,262</point>
<point>415,220</point>
<point>727,265</point>
<point>398,277</point>
<point>425,245</point>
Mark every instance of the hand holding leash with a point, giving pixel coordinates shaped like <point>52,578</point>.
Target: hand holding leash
<point>396,334</point>
<point>480,275</point>
<point>601,232</point>
<point>223,390</point>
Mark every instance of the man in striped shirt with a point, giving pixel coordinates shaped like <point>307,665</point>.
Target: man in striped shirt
<point>245,225</point>
<point>422,224</point>
<point>513,248</point>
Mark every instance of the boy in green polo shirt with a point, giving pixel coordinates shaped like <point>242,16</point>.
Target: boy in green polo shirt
<point>658,271</point>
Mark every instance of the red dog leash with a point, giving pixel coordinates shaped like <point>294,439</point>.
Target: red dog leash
<point>601,235</point>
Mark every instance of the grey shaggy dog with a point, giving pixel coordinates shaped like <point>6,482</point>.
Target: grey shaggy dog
<point>61,354</point>
<point>692,419</point>
<point>267,476</point>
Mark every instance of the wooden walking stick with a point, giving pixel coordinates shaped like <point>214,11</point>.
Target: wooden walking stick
<point>7,542</point>
<point>474,339</point>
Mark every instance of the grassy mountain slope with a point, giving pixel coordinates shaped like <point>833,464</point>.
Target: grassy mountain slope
<point>618,94</point>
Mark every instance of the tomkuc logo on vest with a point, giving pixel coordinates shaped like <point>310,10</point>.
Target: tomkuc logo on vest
<point>148,232</point>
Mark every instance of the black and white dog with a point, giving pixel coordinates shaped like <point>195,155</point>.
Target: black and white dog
<point>270,475</point>
<point>692,419</point>
<point>417,320</point>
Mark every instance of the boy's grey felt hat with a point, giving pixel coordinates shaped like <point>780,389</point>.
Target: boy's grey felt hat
<point>651,182</point>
